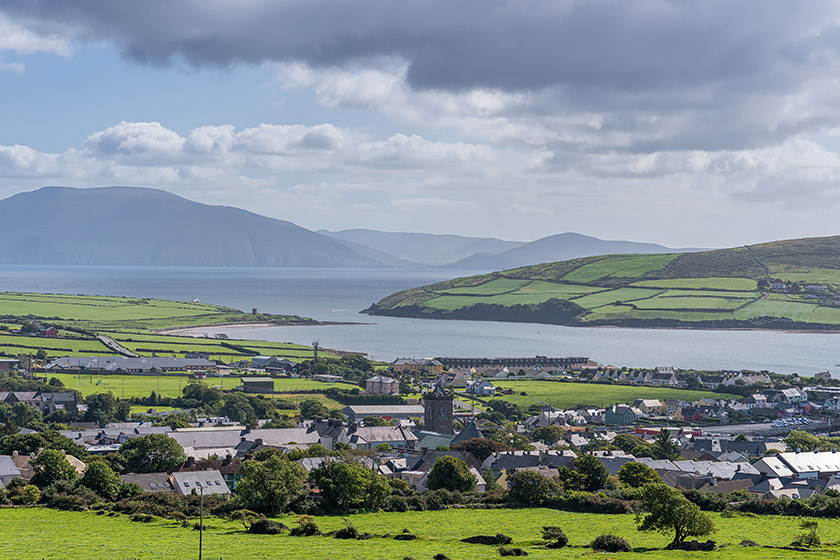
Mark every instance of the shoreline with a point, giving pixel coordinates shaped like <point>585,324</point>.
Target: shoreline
<point>174,330</point>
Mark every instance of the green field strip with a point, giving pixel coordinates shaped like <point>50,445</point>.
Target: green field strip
<point>770,308</point>
<point>736,284</point>
<point>811,275</point>
<point>622,312</point>
<point>457,302</point>
<point>619,267</point>
<point>617,295</point>
<point>672,302</point>
<point>497,286</point>
<point>556,289</point>
<point>713,294</point>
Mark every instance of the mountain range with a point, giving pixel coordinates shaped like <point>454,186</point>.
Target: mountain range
<point>149,227</point>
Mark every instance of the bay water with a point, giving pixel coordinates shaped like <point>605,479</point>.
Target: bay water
<point>337,295</point>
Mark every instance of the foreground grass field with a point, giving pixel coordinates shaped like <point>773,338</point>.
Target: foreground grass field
<point>570,395</point>
<point>706,289</point>
<point>37,533</point>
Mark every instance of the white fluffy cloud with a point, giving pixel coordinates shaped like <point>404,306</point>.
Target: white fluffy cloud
<point>329,176</point>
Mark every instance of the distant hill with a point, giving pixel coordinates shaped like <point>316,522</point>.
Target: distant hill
<point>425,248</point>
<point>792,284</point>
<point>141,226</point>
<point>563,246</point>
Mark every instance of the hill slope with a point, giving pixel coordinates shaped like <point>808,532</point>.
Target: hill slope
<point>562,246</point>
<point>140,226</point>
<point>425,248</point>
<point>784,284</point>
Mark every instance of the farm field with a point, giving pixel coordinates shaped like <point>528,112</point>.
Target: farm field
<point>709,289</point>
<point>38,533</point>
<point>104,313</point>
<point>168,385</point>
<point>569,395</point>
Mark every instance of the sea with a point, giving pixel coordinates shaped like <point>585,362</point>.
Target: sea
<point>337,296</point>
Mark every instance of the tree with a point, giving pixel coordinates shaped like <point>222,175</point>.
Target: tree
<point>52,466</point>
<point>548,434</point>
<point>637,475</point>
<point>349,486</point>
<point>593,473</point>
<point>238,408</point>
<point>152,453</point>
<point>102,408</point>
<point>202,392</point>
<point>627,442</point>
<point>529,488</point>
<point>100,478</point>
<point>664,447</point>
<point>270,486</point>
<point>692,382</point>
<point>800,440</point>
<point>451,473</point>
<point>311,409</point>
<point>481,448</point>
<point>667,510</point>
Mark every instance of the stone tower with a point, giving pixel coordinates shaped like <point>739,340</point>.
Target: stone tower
<point>438,410</point>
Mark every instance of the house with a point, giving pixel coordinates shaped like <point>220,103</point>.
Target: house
<point>8,470</point>
<point>257,384</point>
<point>480,387</point>
<point>356,412</point>
<point>150,482</point>
<point>327,378</point>
<point>9,363</point>
<point>271,363</point>
<point>414,365</point>
<point>663,378</point>
<point>47,332</point>
<point>639,376</point>
<point>649,407</point>
<point>806,464</point>
<point>747,379</point>
<point>713,381</point>
<point>622,415</point>
<point>206,482</point>
<point>689,414</point>
<point>228,467</point>
<point>755,401</point>
<point>382,385</point>
<point>121,364</point>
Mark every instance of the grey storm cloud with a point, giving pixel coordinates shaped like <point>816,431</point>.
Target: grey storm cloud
<point>676,74</point>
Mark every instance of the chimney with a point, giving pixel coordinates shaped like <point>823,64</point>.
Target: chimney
<point>190,461</point>
<point>258,442</point>
<point>424,450</point>
<point>228,460</point>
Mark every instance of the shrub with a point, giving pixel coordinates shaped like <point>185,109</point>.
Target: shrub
<point>810,537</point>
<point>266,527</point>
<point>610,543</point>
<point>556,537</point>
<point>487,539</point>
<point>748,542</point>
<point>405,536</point>
<point>508,551</point>
<point>440,556</point>
<point>347,532</point>
<point>306,527</point>
<point>141,517</point>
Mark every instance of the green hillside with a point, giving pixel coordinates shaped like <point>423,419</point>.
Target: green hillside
<point>792,284</point>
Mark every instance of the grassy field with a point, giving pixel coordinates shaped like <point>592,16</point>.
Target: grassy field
<point>709,289</point>
<point>103,313</point>
<point>570,395</point>
<point>36,533</point>
<point>126,386</point>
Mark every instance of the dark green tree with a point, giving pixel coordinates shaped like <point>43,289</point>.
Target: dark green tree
<point>100,478</point>
<point>346,486</point>
<point>548,434</point>
<point>269,486</point>
<point>529,488</point>
<point>666,510</point>
<point>481,448</point>
<point>152,453</point>
<point>664,446</point>
<point>593,473</point>
<point>311,409</point>
<point>52,466</point>
<point>451,473</point>
<point>636,475</point>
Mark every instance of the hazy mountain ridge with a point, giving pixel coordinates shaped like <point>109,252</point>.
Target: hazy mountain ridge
<point>149,227</point>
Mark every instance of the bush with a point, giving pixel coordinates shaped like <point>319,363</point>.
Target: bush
<point>556,537</point>
<point>347,532</point>
<point>810,537</point>
<point>266,527</point>
<point>306,527</point>
<point>748,542</point>
<point>487,539</point>
<point>440,556</point>
<point>507,551</point>
<point>405,536</point>
<point>141,517</point>
<point>610,543</point>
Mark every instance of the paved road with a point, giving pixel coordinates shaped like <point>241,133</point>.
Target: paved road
<point>113,345</point>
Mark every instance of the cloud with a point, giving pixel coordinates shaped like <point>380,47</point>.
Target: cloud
<point>19,39</point>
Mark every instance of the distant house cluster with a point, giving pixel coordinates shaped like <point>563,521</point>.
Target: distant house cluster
<point>120,364</point>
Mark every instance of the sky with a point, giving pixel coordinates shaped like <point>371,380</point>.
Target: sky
<point>704,124</point>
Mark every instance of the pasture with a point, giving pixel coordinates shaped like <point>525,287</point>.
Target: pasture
<point>561,394</point>
<point>127,386</point>
<point>38,533</point>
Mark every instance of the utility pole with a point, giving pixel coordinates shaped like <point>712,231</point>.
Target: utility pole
<point>201,521</point>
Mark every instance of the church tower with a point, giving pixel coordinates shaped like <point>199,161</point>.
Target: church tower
<point>438,410</point>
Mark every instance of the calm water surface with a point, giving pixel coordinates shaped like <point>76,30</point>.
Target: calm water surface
<point>338,295</point>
